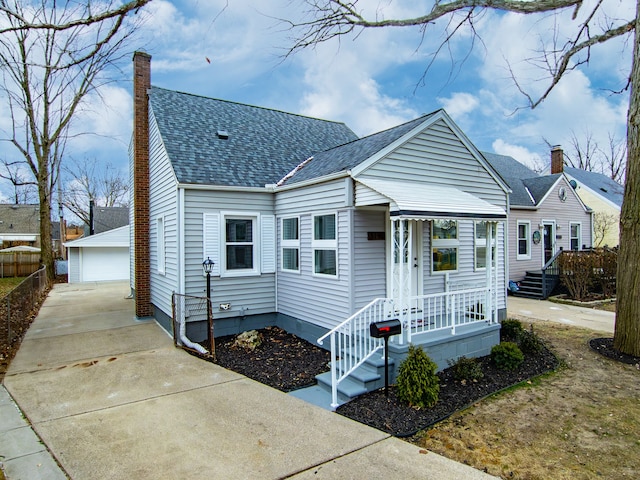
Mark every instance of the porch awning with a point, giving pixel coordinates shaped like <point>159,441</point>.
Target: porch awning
<point>411,200</point>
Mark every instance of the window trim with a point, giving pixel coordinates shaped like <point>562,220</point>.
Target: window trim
<point>240,215</point>
<point>527,238</point>
<point>161,246</point>
<point>449,243</point>
<point>482,242</point>
<point>579,225</point>
<point>289,244</point>
<point>329,245</point>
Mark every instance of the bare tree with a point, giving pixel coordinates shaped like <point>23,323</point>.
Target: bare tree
<point>53,54</point>
<point>92,180</point>
<point>586,154</point>
<point>332,19</point>
<point>24,189</point>
<point>603,223</point>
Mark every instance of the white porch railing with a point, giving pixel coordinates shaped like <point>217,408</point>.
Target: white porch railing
<point>446,310</point>
<point>351,343</point>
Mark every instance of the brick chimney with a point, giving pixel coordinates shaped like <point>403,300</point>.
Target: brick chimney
<point>557,159</point>
<point>142,267</point>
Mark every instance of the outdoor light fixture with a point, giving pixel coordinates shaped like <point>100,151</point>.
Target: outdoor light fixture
<point>207,266</point>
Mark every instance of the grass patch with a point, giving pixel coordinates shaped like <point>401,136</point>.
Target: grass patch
<point>580,422</point>
<point>8,284</point>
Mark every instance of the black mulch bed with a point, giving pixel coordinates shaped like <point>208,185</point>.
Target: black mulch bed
<point>286,362</point>
<point>283,361</point>
<point>393,416</point>
<point>604,346</point>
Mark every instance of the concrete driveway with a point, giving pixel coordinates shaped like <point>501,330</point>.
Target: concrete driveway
<point>111,398</point>
<point>528,309</point>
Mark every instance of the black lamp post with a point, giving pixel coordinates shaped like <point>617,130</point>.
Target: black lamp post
<point>207,266</point>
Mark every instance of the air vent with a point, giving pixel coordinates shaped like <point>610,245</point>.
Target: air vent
<point>604,189</point>
<point>222,134</point>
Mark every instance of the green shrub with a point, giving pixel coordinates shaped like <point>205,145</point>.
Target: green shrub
<point>417,382</point>
<point>466,369</point>
<point>530,342</point>
<point>510,330</point>
<point>507,356</point>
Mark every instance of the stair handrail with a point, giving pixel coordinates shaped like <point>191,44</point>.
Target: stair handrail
<point>552,268</point>
<point>355,349</point>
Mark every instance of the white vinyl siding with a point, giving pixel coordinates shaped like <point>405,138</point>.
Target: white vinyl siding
<point>248,295</point>
<point>163,201</point>
<point>523,240</point>
<point>437,156</point>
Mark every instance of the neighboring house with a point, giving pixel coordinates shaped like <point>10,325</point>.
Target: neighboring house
<point>108,218</point>
<point>19,225</point>
<point>603,196</point>
<point>311,228</point>
<point>545,215</point>
<point>100,257</point>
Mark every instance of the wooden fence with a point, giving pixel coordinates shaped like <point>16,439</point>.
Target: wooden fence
<point>18,264</point>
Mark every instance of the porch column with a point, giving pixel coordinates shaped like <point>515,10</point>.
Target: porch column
<point>489,272</point>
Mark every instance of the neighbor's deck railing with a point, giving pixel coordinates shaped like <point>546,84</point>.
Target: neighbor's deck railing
<point>351,344</point>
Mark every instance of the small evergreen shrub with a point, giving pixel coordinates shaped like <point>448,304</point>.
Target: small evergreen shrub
<point>466,369</point>
<point>510,330</point>
<point>417,382</point>
<point>530,342</point>
<point>507,356</point>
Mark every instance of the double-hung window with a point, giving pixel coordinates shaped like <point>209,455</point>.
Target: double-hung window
<point>240,247</point>
<point>480,241</point>
<point>523,246</point>
<point>325,245</point>
<point>290,244</point>
<point>576,235</point>
<point>444,246</point>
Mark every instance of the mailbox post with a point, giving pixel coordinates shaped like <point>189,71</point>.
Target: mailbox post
<point>384,330</point>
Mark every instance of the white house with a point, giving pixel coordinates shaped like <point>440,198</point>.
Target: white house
<point>313,229</point>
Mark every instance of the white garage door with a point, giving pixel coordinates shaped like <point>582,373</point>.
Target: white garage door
<point>104,263</point>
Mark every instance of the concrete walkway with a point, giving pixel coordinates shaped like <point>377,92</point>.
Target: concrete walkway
<point>111,398</point>
<point>527,309</point>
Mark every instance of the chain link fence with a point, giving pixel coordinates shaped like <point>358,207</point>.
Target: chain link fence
<point>16,309</point>
<point>187,309</point>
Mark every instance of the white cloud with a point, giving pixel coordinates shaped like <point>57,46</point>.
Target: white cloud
<point>520,153</point>
<point>459,104</point>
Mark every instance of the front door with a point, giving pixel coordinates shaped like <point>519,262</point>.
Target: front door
<point>549,241</point>
<point>406,261</point>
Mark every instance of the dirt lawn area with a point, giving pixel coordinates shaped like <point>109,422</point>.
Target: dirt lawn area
<point>581,422</point>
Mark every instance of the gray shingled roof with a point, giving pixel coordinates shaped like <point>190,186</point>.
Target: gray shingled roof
<point>523,182</point>
<point>108,218</point>
<point>263,145</point>
<point>599,183</point>
<point>513,173</point>
<point>346,157</point>
<point>22,218</point>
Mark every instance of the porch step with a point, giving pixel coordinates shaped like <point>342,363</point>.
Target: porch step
<point>531,286</point>
<point>366,378</point>
<point>315,395</point>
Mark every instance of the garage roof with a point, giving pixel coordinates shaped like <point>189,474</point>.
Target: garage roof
<point>118,237</point>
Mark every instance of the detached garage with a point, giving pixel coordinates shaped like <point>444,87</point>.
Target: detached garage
<point>100,257</point>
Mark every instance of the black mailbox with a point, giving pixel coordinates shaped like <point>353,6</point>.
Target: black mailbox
<point>385,329</point>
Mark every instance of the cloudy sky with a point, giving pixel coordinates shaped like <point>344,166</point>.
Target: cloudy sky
<point>234,49</point>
